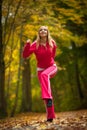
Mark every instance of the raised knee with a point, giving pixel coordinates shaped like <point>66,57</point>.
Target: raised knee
<point>43,74</point>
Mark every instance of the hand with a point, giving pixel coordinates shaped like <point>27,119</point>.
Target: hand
<point>28,41</point>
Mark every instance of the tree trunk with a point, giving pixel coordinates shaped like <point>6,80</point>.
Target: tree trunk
<point>19,72</point>
<point>77,71</point>
<point>3,111</point>
<point>17,88</point>
<point>84,83</point>
<point>26,87</point>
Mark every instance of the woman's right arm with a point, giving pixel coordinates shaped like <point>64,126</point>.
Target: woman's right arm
<point>28,49</point>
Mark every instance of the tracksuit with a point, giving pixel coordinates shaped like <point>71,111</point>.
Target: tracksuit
<point>46,69</point>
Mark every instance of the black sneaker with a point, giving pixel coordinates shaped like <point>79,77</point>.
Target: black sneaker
<point>49,120</point>
<point>49,104</point>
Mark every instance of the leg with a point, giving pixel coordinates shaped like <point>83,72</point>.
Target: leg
<point>49,109</point>
<point>44,78</point>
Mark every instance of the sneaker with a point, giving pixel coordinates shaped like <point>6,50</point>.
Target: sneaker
<point>49,104</point>
<point>49,120</point>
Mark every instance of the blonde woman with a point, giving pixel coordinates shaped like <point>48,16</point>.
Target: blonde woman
<point>44,48</point>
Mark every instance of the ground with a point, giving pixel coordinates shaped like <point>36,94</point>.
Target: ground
<point>73,120</point>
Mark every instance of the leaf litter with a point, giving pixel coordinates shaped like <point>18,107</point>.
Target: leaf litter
<point>74,120</point>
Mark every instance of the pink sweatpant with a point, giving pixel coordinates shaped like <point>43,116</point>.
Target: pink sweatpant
<point>44,78</point>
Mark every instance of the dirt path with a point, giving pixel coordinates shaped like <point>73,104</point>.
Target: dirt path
<point>74,120</point>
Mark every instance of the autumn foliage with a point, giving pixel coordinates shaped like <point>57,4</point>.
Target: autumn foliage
<point>19,87</point>
<point>74,120</point>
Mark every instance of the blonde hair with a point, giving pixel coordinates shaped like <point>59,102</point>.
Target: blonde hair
<point>49,38</point>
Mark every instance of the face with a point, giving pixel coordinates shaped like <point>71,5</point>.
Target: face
<point>43,31</point>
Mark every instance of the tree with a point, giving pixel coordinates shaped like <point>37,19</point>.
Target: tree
<point>3,111</point>
<point>26,87</point>
<point>4,39</point>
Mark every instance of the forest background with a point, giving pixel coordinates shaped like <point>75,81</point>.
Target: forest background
<point>19,87</point>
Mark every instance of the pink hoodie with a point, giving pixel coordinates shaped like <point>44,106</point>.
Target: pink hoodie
<point>44,54</point>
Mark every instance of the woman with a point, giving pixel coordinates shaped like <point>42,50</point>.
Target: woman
<point>44,49</point>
